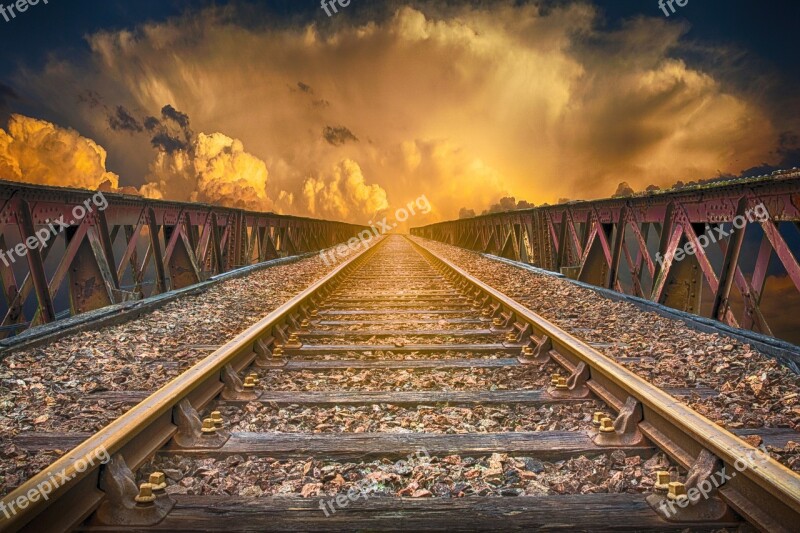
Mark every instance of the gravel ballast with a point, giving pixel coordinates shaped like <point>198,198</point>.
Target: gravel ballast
<point>418,476</point>
<point>755,391</point>
<point>40,387</point>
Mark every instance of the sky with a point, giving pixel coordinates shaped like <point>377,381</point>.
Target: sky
<point>276,106</point>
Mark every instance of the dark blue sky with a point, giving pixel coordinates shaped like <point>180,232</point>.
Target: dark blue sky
<point>767,30</point>
<point>746,45</point>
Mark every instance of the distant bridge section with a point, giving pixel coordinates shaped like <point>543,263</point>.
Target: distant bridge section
<point>69,251</point>
<point>638,245</point>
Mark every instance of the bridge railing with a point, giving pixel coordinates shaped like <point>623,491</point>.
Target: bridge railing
<point>682,248</point>
<point>69,251</point>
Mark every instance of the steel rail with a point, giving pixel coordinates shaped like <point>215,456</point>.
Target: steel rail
<point>146,427</point>
<point>611,243</point>
<point>766,494</point>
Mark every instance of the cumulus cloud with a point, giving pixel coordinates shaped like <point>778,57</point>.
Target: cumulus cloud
<point>36,151</point>
<point>344,194</point>
<point>214,169</point>
<point>473,104</point>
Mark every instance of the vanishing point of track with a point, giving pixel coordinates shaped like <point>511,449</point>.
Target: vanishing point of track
<point>398,306</point>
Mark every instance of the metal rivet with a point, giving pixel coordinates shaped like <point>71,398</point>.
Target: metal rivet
<point>158,480</point>
<point>527,350</point>
<point>677,491</point>
<point>145,494</point>
<point>606,425</point>
<point>208,427</point>
<point>662,481</point>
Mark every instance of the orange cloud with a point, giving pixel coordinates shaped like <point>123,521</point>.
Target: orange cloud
<point>337,195</point>
<point>36,151</point>
<point>214,169</point>
<point>463,104</point>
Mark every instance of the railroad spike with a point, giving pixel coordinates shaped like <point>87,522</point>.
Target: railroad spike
<point>502,322</point>
<point>662,481</point>
<point>540,354</point>
<point>265,357</point>
<point>293,342</point>
<point>235,389</point>
<point>625,427</point>
<point>145,496</point>
<point>159,482</point>
<point>696,499</point>
<point>190,430</point>
<point>126,505</point>
<point>518,334</point>
<point>575,385</point>
<point>597,417</point>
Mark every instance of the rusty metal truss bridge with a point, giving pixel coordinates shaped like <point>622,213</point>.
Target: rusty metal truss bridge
<point>629,245</point>
<point>131,249</point>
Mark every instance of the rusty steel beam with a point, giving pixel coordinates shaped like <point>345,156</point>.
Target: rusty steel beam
<point>130,249</point>
<point>629,244</point>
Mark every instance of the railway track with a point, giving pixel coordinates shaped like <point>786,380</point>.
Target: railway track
<point>397,311</point>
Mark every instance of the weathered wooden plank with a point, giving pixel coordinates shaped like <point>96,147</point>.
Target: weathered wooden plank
<point>364,364</point>
<point>319,349</point>
<point>545,445</point>
<point>401,321</point>
<point>35,442</point>
<point>399,304</point>
<point>466,310</point>
<point>134,396</point>
<point>584,512</point>
<point>777,437</point>
<point>420,332</point>
<point>393,297</point>
<point>526,397</point>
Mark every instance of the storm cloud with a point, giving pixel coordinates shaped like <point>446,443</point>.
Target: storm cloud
<point>465,104</point>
